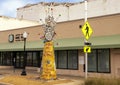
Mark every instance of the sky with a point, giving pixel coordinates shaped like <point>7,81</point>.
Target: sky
<point>9,7</point>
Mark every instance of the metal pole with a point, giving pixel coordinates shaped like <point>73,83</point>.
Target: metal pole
<point>24,62</point>
<point>86,55</point>
<point>86,10</point>
<point>25,55</point>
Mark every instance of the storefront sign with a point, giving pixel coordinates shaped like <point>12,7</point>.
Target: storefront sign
<point>11,38</point>
<point>15,37</point>
<point>19,37</point>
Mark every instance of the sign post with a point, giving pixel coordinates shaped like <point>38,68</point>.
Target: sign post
<point>87,31</point>
<point>86,55</point>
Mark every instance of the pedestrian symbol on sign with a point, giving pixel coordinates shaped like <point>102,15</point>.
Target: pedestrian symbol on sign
<point>87,30</point>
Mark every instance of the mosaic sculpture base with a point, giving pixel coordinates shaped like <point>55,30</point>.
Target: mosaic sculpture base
<point>48,68</point>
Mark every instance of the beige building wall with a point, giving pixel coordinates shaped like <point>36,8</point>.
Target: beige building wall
<point>102,26</point>
<point>115,62</point>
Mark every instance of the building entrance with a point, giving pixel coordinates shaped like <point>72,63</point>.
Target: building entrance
<point>18,59</point>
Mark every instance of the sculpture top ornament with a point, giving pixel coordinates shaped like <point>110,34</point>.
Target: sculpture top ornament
<point>49,28</point>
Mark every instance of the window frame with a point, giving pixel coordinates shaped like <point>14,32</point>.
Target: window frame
<point>5,58</point>
<point>98,60</point>
<point>66,60</point>
<point>38,57</point>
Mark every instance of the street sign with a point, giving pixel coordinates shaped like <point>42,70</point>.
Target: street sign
<point>87,49</point>
<point>87,43</point>
<point>87,30</point>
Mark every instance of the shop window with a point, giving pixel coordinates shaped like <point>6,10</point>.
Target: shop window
<point>21,59</point>
<point>66,59</point>
<point>72,59</point>
<point>62,57</point>
<point>6,58</point>
<point>35,61</point>
<point>99,61</point>
<point>41,54</point>
<point>38,59</point>
<point>29,59</point>
<point>34,58</point>
<point>103,61</point>
<point>56,58</point>
<point>92,63</point>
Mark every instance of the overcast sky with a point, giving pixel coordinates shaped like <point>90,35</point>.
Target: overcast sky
<point>8,7</point>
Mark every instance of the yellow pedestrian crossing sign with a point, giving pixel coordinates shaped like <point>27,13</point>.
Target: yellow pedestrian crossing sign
<point>87,49</point>
<point>87,30</point>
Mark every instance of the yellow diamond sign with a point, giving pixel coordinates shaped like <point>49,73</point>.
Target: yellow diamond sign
<point>87,30</point>
<point>87,49</point>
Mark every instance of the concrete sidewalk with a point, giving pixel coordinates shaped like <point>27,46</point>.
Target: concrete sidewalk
<point>71,80</point>
<point>75,82</point>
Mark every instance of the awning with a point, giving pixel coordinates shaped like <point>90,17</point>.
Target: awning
<point>112,41</point>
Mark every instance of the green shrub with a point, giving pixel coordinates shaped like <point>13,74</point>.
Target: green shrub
<point>102,81</point>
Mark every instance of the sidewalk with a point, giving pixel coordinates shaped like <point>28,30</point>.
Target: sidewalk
<point>11,77</point>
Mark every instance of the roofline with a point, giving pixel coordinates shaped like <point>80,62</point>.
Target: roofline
<point>17,19</point>
<point>20,28</point>
<point>51,3</point>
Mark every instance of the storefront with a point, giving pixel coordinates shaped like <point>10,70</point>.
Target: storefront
<point>68,44</point>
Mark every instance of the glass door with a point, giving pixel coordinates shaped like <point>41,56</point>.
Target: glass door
<point>19,59</point>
